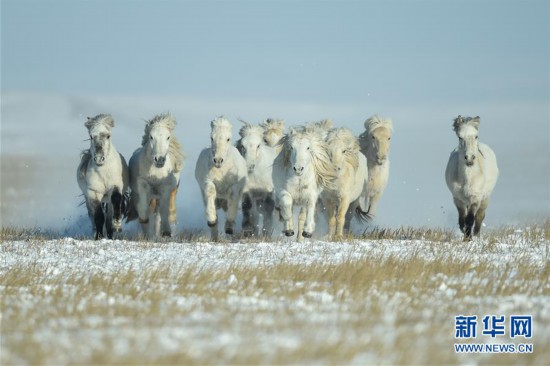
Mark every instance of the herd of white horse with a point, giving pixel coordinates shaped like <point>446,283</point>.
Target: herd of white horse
<point>320,169</point>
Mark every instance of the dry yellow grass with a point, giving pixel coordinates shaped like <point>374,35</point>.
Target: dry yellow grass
<point>372,309</point>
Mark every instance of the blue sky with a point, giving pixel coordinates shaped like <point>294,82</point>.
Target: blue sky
<point>399,51</point>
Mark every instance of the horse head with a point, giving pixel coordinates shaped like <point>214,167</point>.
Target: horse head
<point>378,138</point>
<point>274,130</point>
<point>158,132</point>
<point>99,129</point>
<point>466,128</point>
<point>299,151</point>
<point>251,144</point>
<point>343,148</point>
<point>220,137</point>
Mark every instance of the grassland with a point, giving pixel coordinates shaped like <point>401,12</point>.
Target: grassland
<point>389,296</point>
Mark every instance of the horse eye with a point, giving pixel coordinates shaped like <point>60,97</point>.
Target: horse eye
<point>476,137</point>
<point>108,137</point>
<point>150,137</point>
<point>265,140</point>
<point>259,146</point>
<point>228,140</point>
<point>373,137</point>
<point>308,147</point>
<point>168,138</point>
<point>389,138</point>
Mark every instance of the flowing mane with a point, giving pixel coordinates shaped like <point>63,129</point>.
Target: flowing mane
<point>221,123</point>
<point>166,120</point>
<point>343,137</point>
<point>459,121</point>
<point>247,130</point>
<point>325,172</point>
<point>105,119</point>
<point>376,121</point>
<point>276,125</point>
<point>320,128</point>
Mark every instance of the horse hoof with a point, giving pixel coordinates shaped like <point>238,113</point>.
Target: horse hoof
<point>289,232</point>
<point>305,234</point>
<point>229,231</point>
<point>166,234</point>
<point>248,233</point>
<point>212,223</point>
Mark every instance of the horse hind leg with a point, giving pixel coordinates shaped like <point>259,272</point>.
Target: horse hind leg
<point>268,208</point>
<point>469,222</point>
<point>480,216</point>
<point>172,214</point>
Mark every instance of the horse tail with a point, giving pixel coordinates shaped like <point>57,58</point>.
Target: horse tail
<point>363,215</point>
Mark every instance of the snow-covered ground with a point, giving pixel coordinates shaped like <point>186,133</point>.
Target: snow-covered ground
<point>363,301</point>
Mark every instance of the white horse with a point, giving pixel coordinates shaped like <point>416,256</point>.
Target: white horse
<point>102,176</point>
<point>350,184</point>
<point>154,177</point>
<point>471,175</point>
<point>375,145</point>
<point>221,173</point>
<point>274,131</point>
<point>300,172</point>
<point>258,191</point>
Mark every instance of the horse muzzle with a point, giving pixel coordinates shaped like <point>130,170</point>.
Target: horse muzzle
<point>299,171</point>
<point>160,161</point>
<point>217,162</point>
<point>99,159</point>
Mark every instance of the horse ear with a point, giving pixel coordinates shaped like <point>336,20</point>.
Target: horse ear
<point>110,121</point>
<point>475,122</point>
<point>457,123</point>
<point>291,131</point>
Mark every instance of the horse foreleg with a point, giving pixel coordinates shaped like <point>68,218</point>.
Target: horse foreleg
<point>341,217</point>
<point>232,209</point>
<point>462,212</point>
<point>268,208</point>
<point>310,217</point>
<point>247,226</point>
<point>372,205</point>
<point>330,209</point>
<point>469,222</point>
<point>209,195</point>
<point>117,203</point>
<point>480,216</point>
<point>301,222</point>
<point>96,212</point>
<point>172,215</point>
<point>142,205</point>
<point>165,211</point>
<point>285,210</point>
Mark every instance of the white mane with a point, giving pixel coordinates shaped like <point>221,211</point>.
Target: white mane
<point>100,119</point>
<point>325,172</point>
<point>376,121</point>
<point>221,123</point>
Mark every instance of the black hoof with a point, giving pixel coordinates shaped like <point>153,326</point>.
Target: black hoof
<point>212,223</point>
<point>289,232</point>
<point>166,234</point>
<point>248,233</point>
<point>305,234</point>
<point>229,231</point>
